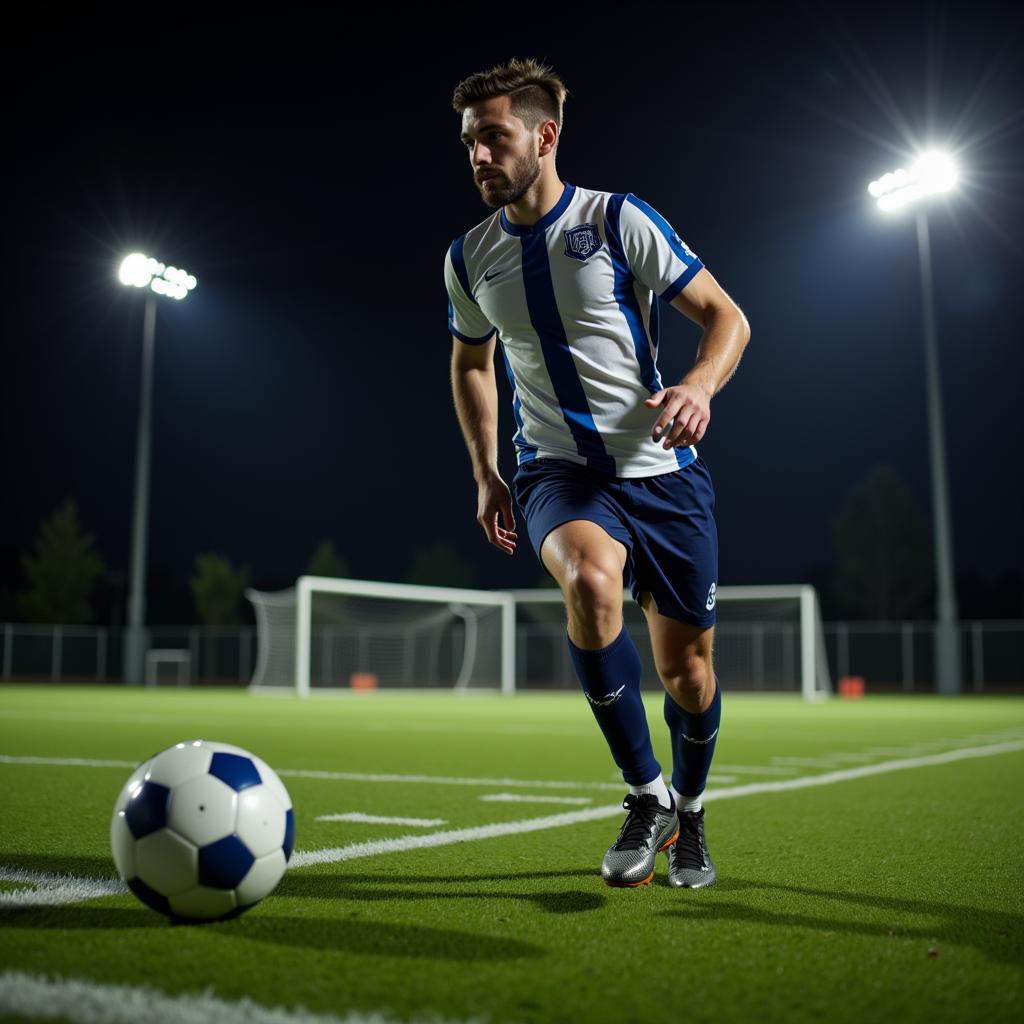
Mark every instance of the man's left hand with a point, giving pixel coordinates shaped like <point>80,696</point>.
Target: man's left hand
<point>688,407</point>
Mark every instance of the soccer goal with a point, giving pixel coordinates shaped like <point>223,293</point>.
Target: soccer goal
<point>767,638</point>
<point>328,634</point>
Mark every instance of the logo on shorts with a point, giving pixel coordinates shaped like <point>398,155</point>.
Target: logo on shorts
<point>608,698</point>
<point>711,597</point>
<point>582,242</point>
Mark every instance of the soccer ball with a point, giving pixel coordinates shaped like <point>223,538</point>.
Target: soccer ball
<point>202,831</point>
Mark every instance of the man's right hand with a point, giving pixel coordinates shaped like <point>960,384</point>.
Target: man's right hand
<point>494,497</point>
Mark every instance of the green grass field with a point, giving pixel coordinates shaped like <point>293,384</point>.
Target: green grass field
<point>895,895</point>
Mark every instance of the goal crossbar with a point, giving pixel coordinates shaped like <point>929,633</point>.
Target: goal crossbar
<point>306,585</point>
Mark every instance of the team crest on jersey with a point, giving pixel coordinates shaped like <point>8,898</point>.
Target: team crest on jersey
<point>582,242</point>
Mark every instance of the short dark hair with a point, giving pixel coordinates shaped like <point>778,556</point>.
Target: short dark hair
<point>537,93</point>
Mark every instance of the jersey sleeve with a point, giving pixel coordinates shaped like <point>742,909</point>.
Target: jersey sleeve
<point>465,318</point>
<point>657,255</point>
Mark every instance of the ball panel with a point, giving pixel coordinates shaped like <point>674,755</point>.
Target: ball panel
<point>237,771</point>
<point>203,903</point>
<point>146,810</point>
<point>262,878</point>
<point>149,896</point>
<point>216,747</point>
<point>166,862</point>
<point>222,865</point>
<point>203,810</point>
<point>135,780</point>
<point>122,846</point>
<point>177,764</point>
<point>289,834</point>
<point>261,822</point>
<point>271,779</point>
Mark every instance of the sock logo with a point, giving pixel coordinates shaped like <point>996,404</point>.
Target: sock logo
<point>711,597</point>
<point>692,739</point>
<point>608,698</point>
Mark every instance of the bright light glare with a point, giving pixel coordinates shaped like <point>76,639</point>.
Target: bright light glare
<point>142,271</point>
<point>932,173</point>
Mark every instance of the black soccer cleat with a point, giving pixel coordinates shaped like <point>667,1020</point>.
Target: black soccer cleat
<point>648,828</point>
<point>689,863</point>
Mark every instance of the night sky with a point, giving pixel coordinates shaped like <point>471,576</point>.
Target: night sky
<point>306,168</point>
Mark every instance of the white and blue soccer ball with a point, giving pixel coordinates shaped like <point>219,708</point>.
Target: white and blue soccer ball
<point>202,831</point>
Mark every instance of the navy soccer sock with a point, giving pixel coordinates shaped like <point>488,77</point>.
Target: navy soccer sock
<point>693,743</point>
<point>610,677</point>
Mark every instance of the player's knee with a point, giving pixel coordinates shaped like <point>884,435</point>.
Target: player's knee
<point>593,590</point>
<point>689,675</point>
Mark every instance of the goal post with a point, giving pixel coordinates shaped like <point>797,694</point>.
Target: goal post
<point>392,630</point>
<point>814,675</point>
<point>767,638</point>
<point>327,634</point>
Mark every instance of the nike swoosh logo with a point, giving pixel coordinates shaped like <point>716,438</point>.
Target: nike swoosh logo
<point>693,739</point>
<point>608,698</point>
<point>494,273</point>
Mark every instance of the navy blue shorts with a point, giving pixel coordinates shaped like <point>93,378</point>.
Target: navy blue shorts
<point>666,522</point>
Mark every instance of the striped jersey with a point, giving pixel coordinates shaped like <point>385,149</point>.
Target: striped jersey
<point>572,299</point>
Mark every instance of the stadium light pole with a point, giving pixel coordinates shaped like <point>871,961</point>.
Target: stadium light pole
<point>141,271</point>
<point>932,174</point>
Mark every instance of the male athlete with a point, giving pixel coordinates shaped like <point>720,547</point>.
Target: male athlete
<point>608,480</point>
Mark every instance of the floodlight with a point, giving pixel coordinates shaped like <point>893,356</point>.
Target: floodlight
<point>933,172</point>
<point>143,271</point>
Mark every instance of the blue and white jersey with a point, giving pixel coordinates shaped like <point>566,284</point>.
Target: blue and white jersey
<point>572,298</point>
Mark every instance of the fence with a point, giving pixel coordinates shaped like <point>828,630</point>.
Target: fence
<point>218,655</point>
<point>889,655</point>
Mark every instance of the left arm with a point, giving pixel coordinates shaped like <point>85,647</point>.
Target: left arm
<point>726,333</point>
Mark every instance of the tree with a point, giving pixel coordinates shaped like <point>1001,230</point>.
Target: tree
<point>327,562</point>
<point>217,590</point>
<point>63,572</point>
<point>440,565</point>
<point>885,567</point>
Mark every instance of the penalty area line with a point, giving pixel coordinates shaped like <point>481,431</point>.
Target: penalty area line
<point>87,1002</point>
<point>375,848</point>
<point>52,889</point>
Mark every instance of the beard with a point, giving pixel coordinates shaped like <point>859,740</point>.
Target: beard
<point>525,171</point>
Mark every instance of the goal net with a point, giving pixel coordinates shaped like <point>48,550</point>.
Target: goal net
<point>330,634</point>
<point>767,638</point>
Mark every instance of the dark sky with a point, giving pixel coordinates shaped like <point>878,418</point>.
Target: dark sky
<point>306,168</point>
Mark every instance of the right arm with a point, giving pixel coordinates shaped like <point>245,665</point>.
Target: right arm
<point>475,393</point>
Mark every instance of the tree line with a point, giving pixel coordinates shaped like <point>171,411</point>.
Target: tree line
<point>882,540</point>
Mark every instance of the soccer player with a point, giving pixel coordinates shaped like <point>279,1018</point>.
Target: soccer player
<point>608,478</point>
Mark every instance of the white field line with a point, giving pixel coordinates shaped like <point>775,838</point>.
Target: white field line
<point>376,819</point>
<point>804,762</point>
<point>375,847</point>
<point>353,851</point>
<point>406,725</point>
<point>527,798</point>
<point>82,762</point>
<point>312,773</point>
<point>757,769</point>
<point>50,885</point>
<point>86,1002</point>
<point>50,890</point>
<point>447,780</point>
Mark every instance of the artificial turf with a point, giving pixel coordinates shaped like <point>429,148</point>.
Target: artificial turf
<point>896,896</point>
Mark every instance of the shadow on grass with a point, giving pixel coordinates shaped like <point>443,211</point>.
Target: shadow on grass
<point>346,934</point>
<point>995,934</point>
<point>365,888</point>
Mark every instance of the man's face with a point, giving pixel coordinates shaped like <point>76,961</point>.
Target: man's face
<point>502,153</point>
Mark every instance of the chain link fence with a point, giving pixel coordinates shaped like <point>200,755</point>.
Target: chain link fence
<point>889,656</point>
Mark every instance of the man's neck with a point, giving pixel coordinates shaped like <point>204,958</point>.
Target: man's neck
<point>540,199</point>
